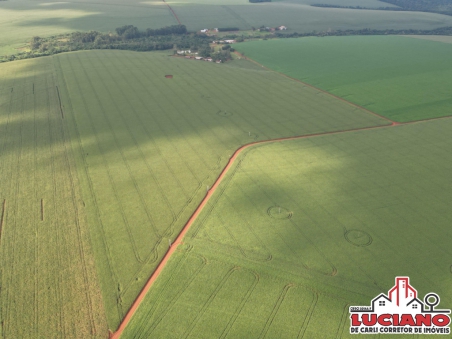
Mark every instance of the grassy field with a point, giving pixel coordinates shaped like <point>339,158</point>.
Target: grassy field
<point>299,230</point>
<point>49,283</point>
<point>401,78</point>
<point>148,146</point>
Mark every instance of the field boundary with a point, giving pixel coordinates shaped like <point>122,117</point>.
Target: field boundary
<point>318,89</point>
<point>203,203</point>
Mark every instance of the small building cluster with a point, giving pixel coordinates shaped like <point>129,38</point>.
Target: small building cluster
<point>201,58</point>
<point>272,29</point>
<point>223,41</point>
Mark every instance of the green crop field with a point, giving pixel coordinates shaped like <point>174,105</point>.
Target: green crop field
<point>148,146</point>
<point>300,230</point>
<point>105,154</point>
<point>49,283</point>
<point>401,78</point>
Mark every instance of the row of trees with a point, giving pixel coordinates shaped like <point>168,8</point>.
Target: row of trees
<point>173,37</point>
<point>127,38</point>
<point>131,32</point>
<point>367,31</point>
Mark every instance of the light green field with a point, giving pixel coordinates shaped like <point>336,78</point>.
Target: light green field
<point>147,146</point>
<point>300,230</point>
<point>20,20</point>
<point>401,78</point>
<point>49,283</point>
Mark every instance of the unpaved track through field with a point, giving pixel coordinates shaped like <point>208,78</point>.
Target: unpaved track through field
<point>198,210</point>
<point>172,11</point>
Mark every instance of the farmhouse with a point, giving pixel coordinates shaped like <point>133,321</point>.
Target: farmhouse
<point>229,41</point>
<point>199,58</point>
<point>205,30</point>
<point>184,52</point>
<point>282,28</point>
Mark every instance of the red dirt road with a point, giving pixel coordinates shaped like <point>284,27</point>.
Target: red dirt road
<point>198,210</point>
<point>172,11</point>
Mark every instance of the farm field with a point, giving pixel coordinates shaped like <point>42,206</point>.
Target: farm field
<point>22,19</point>
<point>105,154</point>
<point>49,283</point>
<point>300,18</point>
<point>401,78</point>
<point>147,146</point>
<point>299,230</point>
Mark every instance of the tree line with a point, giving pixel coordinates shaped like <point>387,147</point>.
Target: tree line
<point>125,38</point>
<point>175,37</point>
<point>366,31</point>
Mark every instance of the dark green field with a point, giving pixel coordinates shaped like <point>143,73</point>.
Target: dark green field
<point>401,78</point>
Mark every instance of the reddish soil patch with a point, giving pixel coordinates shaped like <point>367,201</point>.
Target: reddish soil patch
<point>2,217</point>
<point>168,76</point>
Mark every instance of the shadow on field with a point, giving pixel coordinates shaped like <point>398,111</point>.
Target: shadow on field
<point>369,204</point>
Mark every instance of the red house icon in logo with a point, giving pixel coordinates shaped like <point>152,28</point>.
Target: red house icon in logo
<point>402,292</point>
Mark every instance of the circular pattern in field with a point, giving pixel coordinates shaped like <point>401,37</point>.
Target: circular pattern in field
<point>224,113</point>
<point>279,212</point>
<point>358,238</point>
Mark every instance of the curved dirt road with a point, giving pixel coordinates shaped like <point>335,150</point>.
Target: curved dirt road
<point>198,210</point>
